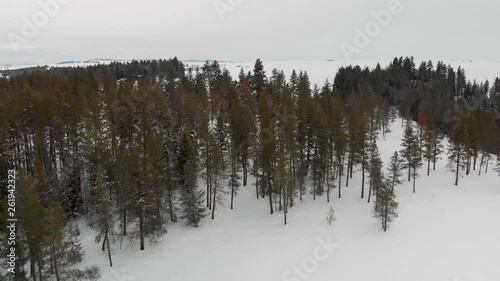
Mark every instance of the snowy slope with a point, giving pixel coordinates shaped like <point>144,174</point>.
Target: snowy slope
<point>443,233</point>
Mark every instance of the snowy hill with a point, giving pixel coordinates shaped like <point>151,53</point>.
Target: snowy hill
<point>443,233</point>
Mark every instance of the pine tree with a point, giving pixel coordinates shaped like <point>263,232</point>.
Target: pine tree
<point>216,172</point>
<point>64,247</point>
<point>386,207</point>
<point>191,197</point>
<point>31,215</point>
<point>375,170</point>
<point>411,153</point>
<point>104,214</point>
<point>339,140</point>
<point>432,144</point>
<point>234,177</point>
<point>259,79</point>
<point>394,172</point>
<point>437,148</point>
<point>456,152</point>
<point>267,149</point>
<point>282,182</point>
<point>356,140</point>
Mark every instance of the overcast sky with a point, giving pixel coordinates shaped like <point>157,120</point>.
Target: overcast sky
<point>279,30</point>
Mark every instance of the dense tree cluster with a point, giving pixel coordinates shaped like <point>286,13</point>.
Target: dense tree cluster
<point>133,147</point>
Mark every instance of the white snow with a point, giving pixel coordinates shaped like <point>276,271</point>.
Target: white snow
<point>443,233</point>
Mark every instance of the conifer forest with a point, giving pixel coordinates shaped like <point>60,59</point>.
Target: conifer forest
<point>131,149</point>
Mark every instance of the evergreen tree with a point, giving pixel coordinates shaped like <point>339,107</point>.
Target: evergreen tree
<point>259,79</point>
<point>456,152</point>
<point>386,207</point>
<point>432,144</point>
<point>191,197</point>
<point>216,173</point>
<point>339,140</point>
<point>375,170</point>
<point>411,153</point>
<point>104,214</point>
<point>394,172</point>
<point>283,182</point>
<point>267,150</point>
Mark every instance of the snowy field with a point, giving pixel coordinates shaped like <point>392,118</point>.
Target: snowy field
<point>443,233</point>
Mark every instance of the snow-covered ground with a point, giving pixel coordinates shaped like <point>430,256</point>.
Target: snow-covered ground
<point>443,233</point>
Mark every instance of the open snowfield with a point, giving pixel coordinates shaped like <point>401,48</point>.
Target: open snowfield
<point>443,233</point>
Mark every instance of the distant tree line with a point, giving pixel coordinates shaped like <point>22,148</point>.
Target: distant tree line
<point>132,147</point>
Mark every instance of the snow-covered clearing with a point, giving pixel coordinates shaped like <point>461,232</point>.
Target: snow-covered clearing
<point>443,233</point>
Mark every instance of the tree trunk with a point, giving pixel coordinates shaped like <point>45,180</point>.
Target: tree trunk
<point>414,177</point>
<point>104,241</point>
<point>481,162</point>
<point>285,205</point>
<point>233,174</point>
<point>270,188</point>
<point>208,176</point>
<point>363,176</point>
<point>171,205</point>
<point>409,171</point>
<point>327,187</point>
<point>40,267</point>
<point>54,257</point>
<point>32,267</point>
<point>458,166</point>
<point>109,251</point>
<point>386,215</point>
<point>475,161</point>
<point>141,226</point>
<point>124,222</point>
<point>245,172</point>
<point>434,159</point>
<point>340,177</point>
<point>214,199</point>
<point>428,166</point>
<point>347,175</point>
<point>467,164</point>
<point>370,191</point>
<point>352,165</point>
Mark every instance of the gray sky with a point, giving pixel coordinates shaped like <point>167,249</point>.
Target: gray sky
<point>270,29</point>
